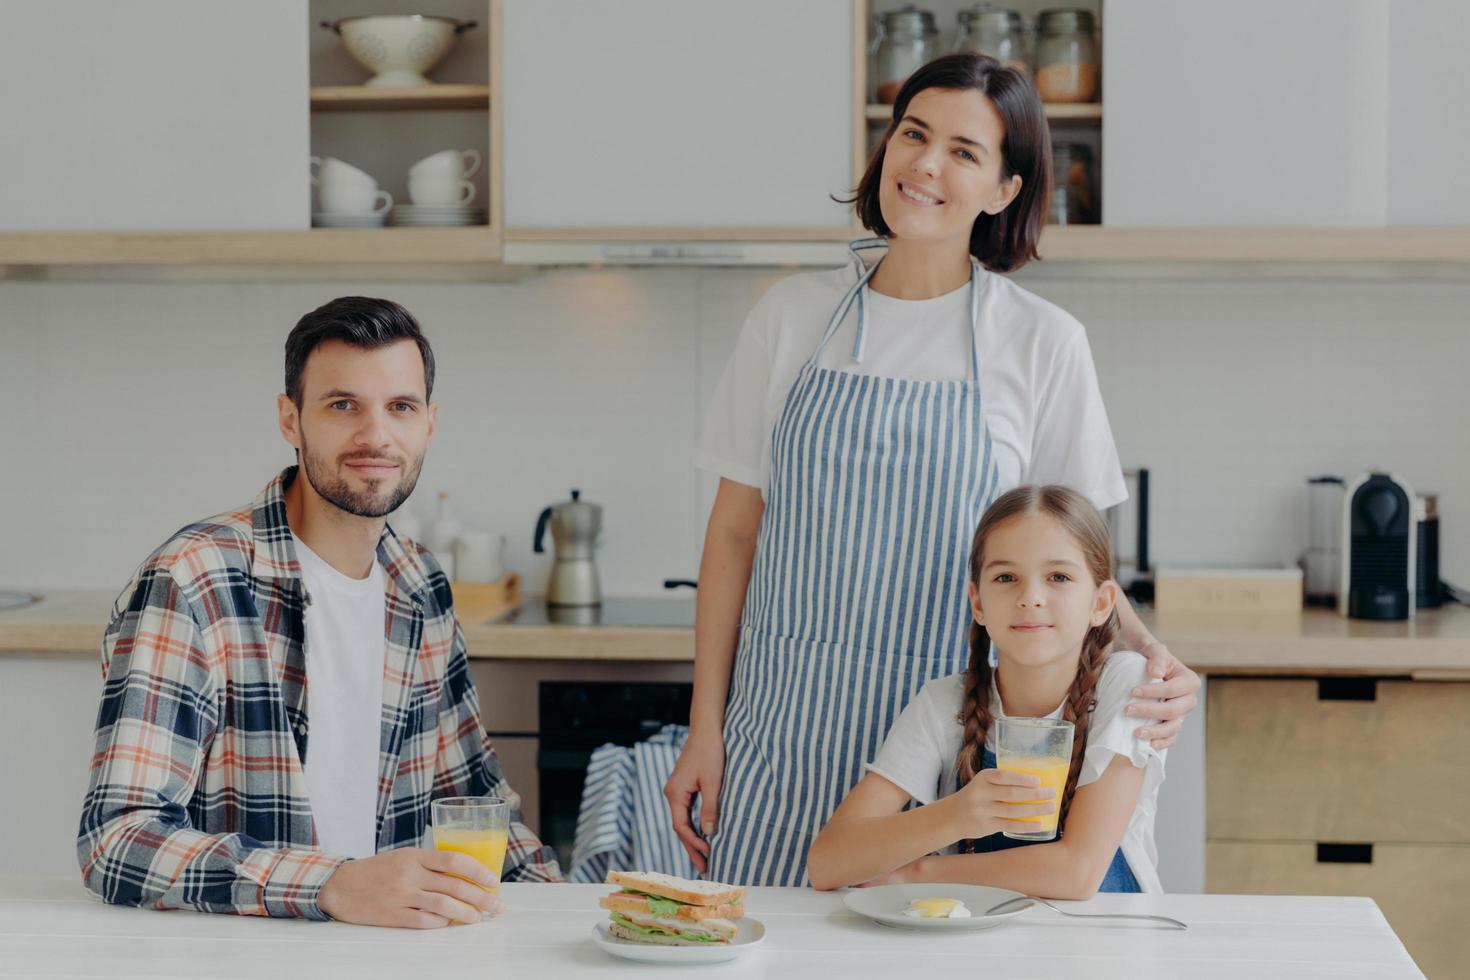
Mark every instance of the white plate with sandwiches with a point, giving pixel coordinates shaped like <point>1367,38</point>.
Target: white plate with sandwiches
<point>659,918</point>
<point>934,905</point>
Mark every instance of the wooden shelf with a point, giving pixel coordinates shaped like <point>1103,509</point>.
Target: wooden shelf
<point>1370,246</point>
<point>430,253</point>
<point>316,246</point>
<point>363,98</point>
<point>1073,112</point>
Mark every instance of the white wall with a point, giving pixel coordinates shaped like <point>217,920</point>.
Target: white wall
<point>134,408</point>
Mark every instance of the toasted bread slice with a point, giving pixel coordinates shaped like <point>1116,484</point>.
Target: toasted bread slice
<point>703,893</point>
<point>631,905</point>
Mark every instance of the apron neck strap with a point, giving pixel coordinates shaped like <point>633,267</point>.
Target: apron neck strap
<point>857,294</point>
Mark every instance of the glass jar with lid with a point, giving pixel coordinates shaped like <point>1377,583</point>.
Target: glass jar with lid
<point>1074,187</point>
<point>909,40</point>
<point>1067,62</point>
<point>994,31</point>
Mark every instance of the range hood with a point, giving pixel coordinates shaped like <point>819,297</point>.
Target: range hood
<point>654,252</point>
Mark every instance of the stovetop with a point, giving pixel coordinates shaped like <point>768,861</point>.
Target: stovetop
<point>629,611</point>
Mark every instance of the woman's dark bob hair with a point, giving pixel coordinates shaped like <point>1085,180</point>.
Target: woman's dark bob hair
<point>1001,242</point>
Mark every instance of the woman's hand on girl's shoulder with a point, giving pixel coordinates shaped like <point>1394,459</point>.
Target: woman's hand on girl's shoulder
<point>997,800</point>
<point>1167,700</point>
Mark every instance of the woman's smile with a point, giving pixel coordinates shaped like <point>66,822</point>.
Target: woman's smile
<point>913,194</point>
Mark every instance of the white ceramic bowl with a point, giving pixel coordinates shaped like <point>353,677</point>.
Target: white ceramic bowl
<point>398,48</point>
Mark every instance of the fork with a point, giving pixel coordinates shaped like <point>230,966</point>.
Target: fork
<point>1171,923</point>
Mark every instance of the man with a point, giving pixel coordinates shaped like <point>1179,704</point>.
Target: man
<point>286,686</point>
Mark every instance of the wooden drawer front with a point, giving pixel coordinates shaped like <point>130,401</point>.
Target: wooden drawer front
<point>1419,887</point>
<point>1284,764</point>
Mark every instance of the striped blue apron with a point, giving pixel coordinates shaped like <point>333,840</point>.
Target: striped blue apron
<point>857,595</point>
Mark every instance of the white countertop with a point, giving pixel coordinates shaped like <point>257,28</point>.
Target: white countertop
<point>52,927</point>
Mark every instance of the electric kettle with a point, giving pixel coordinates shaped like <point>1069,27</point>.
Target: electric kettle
<point>576,526</point>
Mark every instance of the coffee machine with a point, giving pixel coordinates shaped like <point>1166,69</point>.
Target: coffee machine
<point>576,526</point>
<point>1379,541</point>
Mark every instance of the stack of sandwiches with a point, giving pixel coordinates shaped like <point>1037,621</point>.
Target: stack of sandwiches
<point>669,911</point>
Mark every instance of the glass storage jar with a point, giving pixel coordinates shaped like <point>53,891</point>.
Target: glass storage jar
<point>1074,186</point>
<point>909,41</point>
<point>1067,63</point>
<point>995,31</point>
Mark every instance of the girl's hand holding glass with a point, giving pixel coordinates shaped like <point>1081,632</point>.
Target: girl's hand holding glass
<point>997,800</point>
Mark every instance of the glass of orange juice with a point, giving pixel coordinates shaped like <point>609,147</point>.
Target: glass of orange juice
<point>1040,747</point>
<point>474,825</point>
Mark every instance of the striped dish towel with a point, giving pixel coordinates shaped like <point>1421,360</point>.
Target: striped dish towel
<point>623,824</point>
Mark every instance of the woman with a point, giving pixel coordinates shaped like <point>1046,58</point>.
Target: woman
<point>866,419</point>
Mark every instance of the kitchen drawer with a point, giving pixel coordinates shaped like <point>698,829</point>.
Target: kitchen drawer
<point>1421,888</point>
<point>1292,760</point>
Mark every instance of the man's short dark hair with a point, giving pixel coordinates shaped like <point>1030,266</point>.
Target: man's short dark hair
<point>357,320</point>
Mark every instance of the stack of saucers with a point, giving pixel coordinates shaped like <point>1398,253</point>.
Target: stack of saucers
<point>349,219</point>
<point>431,216</point>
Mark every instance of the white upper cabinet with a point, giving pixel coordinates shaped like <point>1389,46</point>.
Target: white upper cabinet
<point>1429,113</point>
<point>676,114</point>
<point>173,115</point>
<point>1250,113</point>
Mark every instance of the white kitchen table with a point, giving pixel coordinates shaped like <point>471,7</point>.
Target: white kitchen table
<point>50,927</point>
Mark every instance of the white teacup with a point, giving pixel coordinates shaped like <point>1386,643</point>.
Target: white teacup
<point>354,199</point>
<point>342,188</point>
<point>440,192</point>
<point>447,163</point>
<point>332,170</point>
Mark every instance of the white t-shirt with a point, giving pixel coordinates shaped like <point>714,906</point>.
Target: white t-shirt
<point>919,754</point>
<point>1038,384</point>
<point>345,647</point>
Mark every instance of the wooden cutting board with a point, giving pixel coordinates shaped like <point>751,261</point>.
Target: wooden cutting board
<point>480,602</point>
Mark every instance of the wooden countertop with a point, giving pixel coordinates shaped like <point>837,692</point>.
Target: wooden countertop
<point>1435,645</point>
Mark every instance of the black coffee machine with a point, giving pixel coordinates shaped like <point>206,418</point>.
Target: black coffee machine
<point>1379,537</point>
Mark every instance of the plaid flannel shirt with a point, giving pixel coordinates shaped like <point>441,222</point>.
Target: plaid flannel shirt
<point>198,798</point>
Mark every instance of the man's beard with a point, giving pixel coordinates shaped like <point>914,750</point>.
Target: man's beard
<point>359,503</point>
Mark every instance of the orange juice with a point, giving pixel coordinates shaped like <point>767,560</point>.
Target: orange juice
<point>1052,773</point>
<point>485,846</point>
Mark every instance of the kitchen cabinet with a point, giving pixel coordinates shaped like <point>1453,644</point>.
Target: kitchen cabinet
<point>1252,132</point>
<point>1428,90</point>
<point>678,119</point>
<point>1345,786</point>
<point>177,115</point>
<point>1248,114</point>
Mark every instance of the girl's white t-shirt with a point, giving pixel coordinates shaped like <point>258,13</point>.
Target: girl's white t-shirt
<point>920,752</point>
<point>344,702</point>
<point>1039,388</point>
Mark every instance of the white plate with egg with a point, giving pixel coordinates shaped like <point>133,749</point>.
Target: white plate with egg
<point>934,906</point>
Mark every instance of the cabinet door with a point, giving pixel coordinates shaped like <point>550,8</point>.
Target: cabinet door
<point>676,114</point>
<point>1254,113</point>
<point>1338,760</point>
<point>1429,91</point>
<point>154,115</point>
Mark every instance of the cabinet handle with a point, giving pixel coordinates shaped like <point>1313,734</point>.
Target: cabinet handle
<point>1344,853</point>
<point>1347,689</point>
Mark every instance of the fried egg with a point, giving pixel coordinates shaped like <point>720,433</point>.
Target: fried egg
<point>936,908</point>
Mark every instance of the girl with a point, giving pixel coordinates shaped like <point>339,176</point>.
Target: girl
<point>867,417</point>
<point>1040,592</point>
